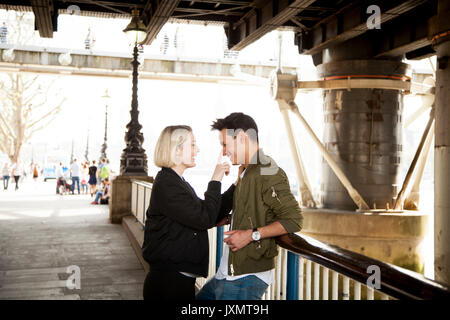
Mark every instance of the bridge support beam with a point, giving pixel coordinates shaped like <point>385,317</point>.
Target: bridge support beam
<point>363,134</point>
<point>440,34</point>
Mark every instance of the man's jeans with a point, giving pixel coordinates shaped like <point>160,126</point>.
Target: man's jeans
<point>77,179</point>
<point>247,288</point>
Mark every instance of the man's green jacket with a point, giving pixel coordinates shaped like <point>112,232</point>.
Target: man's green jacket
<point>260,198</point>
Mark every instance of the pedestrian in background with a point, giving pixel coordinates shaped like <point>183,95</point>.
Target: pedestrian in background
<point>6,176</point>
<point>75,169</point>
<point>60,179</point>
<point>84,177</point>
<point>92,178</point>
<point>104,170</point>
<point>35,172</point>
<point>102,196</point>
<point>17,171</point>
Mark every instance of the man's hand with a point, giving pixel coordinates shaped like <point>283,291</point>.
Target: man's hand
<point>238,239</point>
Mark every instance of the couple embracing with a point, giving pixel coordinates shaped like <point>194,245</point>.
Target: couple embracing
<point>259,206</point>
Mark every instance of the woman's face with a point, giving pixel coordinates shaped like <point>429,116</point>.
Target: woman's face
<point>189,151</point>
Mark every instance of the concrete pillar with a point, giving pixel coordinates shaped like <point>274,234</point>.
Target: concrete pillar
<point>439,32</point>
<point>120,202</point>
<point>363,133</point>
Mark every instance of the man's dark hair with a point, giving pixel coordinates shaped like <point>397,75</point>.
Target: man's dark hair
<point>236,121</point>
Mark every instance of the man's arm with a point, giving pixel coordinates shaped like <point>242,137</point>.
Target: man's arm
<point>240,238</point>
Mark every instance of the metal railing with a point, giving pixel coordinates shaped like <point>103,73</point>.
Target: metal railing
<point>140,199</point>
<point>381,280</point>
<point>307,269</point>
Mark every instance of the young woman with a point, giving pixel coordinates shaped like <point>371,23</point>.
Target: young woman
<point>17,172</point>
<point>176,239</point>
<point>93,179</point>
<point>6,175</point>
<point>84,177</point>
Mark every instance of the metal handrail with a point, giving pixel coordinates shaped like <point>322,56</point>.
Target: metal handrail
<point>395,281</point>
<point>142,183</point>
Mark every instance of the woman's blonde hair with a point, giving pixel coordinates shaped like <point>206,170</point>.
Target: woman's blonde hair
<point>170,138</point>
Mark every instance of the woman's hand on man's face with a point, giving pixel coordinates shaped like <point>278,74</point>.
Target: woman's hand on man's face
<point>221,169</point>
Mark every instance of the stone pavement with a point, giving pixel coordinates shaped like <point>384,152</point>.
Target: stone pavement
<point>42,234</point>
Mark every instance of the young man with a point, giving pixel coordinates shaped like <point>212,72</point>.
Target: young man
<point>263,208</point>
<point>75,169</point>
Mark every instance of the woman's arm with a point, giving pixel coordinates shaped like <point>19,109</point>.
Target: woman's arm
<point>226,204</point>
<point>177,202</point>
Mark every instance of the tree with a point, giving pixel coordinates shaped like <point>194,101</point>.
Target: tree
<point>24,111</point>
<point>24,107</point>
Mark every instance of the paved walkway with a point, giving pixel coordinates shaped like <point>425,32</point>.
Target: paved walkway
<point>42,234</point>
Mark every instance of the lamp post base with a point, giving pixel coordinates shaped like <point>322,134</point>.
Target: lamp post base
<point>133,164</point>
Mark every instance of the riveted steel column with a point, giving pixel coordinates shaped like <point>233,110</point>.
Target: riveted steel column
<point>362,132</point>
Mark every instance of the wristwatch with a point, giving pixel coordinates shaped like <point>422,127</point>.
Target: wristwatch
<point>256,236</point>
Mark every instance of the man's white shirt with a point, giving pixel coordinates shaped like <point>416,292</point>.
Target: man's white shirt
<point>75,168</point>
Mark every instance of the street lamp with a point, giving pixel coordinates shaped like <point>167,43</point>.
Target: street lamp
<point>104,145</point>
<point>86,152</point>
<point>71,154</point>
<point>133,161</point>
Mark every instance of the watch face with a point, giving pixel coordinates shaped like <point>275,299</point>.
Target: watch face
<point>256,236</point>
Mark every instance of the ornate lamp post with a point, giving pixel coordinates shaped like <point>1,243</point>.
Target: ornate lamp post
<point>104,145</point>
<point>71,154</point>
<point>133,161</point>
<point>86,153</point>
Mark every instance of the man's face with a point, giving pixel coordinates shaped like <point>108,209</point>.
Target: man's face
<point>233,146</point>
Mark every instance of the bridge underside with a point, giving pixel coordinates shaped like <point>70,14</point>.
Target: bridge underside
<point>318,24</point>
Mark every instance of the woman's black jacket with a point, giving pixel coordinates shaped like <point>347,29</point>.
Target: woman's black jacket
<point>177,221</point>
